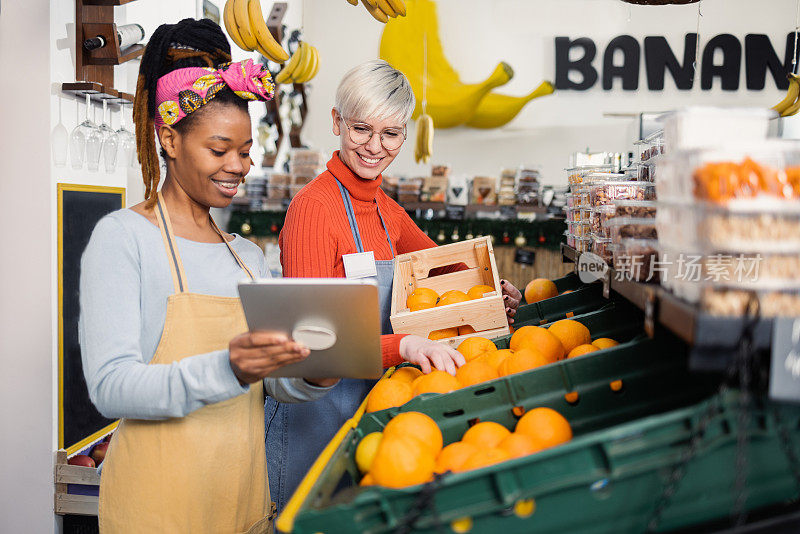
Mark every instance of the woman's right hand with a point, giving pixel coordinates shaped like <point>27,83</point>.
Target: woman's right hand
<point>424,352</point>
<point>255,355</point>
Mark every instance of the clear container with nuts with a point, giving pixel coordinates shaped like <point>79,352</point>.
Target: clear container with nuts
<point>608,192</point>
<point>570,239</point>
<point>637,260</point>
<point>751,226</point>
<point>573,215</point>
<point>570,200</point>
<point>639,209</point>
<point>581,197</point>
<point>620,228</point>
<point>579,229</point>
<point>576,175</point>
<point>599,217</point>
<point>602,247</point>
<point>583,244</point>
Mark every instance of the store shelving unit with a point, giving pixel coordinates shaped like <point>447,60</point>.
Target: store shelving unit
<point>712,339</point>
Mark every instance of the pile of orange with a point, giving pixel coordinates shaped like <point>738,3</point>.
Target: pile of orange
<point>409,451</point>
<point>530,347</point>
<point>424,298</point>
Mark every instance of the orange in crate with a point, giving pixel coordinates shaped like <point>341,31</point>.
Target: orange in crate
<point>478,291</point>
<point>571,333</point>
<point>436,382</point>
<point>453,456</point>
<point>522,360</point>
<point>402,461</point>
<point>580,350</point>
<point>472,347</point>
<point>540,339</point>
<point>604,343</point>
<point>443,334</point>
<point>420,269</point>
<point>388,394</point>
<point>540,289</point>
<point>546,426</point>
<point>485,458</point>
<point>495,358</point>
<point>465,330</point>
<point>406,374</point>
<point>418,425</point>
<point>517,445</point>
<point>475,372</point>
<point>486,434</point>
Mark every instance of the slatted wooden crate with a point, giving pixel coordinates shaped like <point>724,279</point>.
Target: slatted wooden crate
<point>69,498</point>
<point>486,315</point>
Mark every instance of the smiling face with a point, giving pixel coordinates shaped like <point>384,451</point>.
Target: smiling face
<point>210,158</point>
<point>368,160</point>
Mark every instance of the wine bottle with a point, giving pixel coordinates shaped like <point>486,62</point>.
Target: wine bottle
<point>127,34</point>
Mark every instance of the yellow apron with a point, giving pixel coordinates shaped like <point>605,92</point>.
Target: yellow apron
<point>205,472</point>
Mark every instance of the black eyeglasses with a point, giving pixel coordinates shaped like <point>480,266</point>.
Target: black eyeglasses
<point>361,133</point>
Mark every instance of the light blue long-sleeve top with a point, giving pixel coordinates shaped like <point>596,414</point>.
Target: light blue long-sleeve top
<point>124,284</point>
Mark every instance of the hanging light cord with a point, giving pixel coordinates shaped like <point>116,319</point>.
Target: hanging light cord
<point>697,46</point>
<point>796,29</point>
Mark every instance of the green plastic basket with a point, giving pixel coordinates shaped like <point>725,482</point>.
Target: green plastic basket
<point>603,481</point>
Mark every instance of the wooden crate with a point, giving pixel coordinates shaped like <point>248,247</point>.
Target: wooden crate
<point>67,503</point>
<point>486,315</point>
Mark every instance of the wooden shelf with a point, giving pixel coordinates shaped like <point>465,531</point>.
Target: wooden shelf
<point>97,92</point>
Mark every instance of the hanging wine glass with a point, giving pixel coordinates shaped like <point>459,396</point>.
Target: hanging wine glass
<point>110,140</point>
<point>126,141</point>
<point>60,141</point>
<point>77,139</point>
<point>94,143</point>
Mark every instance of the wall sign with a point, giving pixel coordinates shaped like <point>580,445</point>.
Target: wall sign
<point>721,57</point>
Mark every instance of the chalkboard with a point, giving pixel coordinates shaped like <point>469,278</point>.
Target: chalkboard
<point>80,207</point>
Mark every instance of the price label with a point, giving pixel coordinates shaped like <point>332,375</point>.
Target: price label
<point>455,213</point>
<point>784,379</point>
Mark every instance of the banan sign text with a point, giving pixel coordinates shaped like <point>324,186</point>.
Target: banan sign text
<point>720,58</point>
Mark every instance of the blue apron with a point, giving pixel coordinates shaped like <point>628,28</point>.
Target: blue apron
<point>297,433</point>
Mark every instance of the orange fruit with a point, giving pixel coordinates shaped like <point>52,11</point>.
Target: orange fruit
<point>418,425</point>
<point>496,357</point>
<point>516,445</point>
<point>406,374</point>
<point>604,343</point>
<point>388,394</point>
<point>580,350</point>
<point>422,298</point>
<point>546,426</point>
<point>565,292</point>
<point>367,480</point>
<point>540,339</point>
<point>615,385</point>
<point>448,293</point>
<point>540,289</point>
<point>472,347</point>
<point>435,382</point>
<point>477,292</point>
<point>443,334</point>
<point>452,297</point>
<point>522,360</point>
<point>402,461</point>
<point>485,435</point>
<point>571,334</point>
<point>475,372</point>
<point>453,456</point>
<point>485,458</point>
<point>465,330</point>
<point>571,397</point>
<point>366,450</point>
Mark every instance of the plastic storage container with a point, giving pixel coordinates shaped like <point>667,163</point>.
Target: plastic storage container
<point>598,220</point>
<point>569,239</point>
<point>768,169</point>
<point>637,260</point>
<point>620,228</point>
<point>608,192</point>
<point>636,208</point>
<point>750,226</point>
<point>583,244</point>
<point>576,175</point>
<point>603,248</point>
<point>700,127</point>
<point>578,229</point>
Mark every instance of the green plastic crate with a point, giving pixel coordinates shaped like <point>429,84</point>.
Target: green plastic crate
<point>583,299</point>
<point>603,481</point>
<point>615,319</point>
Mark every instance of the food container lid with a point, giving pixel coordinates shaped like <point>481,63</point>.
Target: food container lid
<point>636,203</point>
<point>595,187</point>
<point>590,168</point>
<point>638,242</point>
<point>622,221</point>
<point>603,208</point>
<point>745,206</point>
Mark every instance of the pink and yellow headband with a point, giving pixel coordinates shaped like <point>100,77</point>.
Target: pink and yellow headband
<point>183,91</point>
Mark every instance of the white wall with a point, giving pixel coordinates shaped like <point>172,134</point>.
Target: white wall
<point>26,330</point>
<point>477,35</point>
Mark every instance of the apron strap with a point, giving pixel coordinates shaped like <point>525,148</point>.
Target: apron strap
<point>173,257</point>
<point>351,219</point>
<point>235,255</point>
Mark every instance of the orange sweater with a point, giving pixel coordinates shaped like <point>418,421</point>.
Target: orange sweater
<point>316,233</point>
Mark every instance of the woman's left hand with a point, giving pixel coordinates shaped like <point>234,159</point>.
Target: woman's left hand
<point>511,299</point>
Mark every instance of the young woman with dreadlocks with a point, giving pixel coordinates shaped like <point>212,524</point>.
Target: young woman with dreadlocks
<point>161,329</point>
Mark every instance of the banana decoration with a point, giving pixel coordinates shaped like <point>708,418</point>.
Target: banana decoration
<point>383,10</point>
<point>245,24</point>
<point>790,105</point>
<point>423,149</point>
<point>302,66</point>
<point>496,110</point>
<point>450,102</point>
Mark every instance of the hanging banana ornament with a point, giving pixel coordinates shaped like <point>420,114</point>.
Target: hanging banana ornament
<point>495,109</point>
<point>423,149</point>
<point>383,10</point>
<point>245,24</point>
<point>301,67</point>
<point>790,105</point>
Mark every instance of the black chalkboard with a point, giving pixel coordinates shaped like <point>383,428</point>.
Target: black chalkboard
<point>79,209</point>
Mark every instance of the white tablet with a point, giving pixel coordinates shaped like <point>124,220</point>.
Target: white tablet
<point>338,319</point>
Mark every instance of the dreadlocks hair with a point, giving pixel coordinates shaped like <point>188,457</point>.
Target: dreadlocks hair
<point>189,43</point>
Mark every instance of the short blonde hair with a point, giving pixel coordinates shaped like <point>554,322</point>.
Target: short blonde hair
<point>375,90</point>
